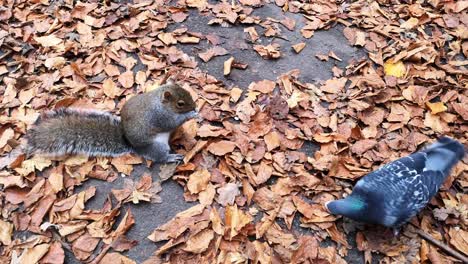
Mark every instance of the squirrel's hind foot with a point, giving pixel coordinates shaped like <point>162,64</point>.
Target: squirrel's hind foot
<point>174,158</point>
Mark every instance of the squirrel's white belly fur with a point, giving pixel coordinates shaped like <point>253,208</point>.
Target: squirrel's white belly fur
<point>162,138</point>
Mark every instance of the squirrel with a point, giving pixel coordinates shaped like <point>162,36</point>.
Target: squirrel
<point>144,127</point>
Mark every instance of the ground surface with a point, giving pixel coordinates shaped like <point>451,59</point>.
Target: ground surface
<point>150,216</point>
<point>281,131</point>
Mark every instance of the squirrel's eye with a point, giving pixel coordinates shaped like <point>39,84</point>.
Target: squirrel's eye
<point>180,103</point>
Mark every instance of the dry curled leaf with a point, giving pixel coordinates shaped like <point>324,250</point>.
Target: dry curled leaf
<point>268,52</point>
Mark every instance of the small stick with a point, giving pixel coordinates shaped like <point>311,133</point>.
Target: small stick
<point>101,255</point>
<point>441,245</point>
<point>58,238</point>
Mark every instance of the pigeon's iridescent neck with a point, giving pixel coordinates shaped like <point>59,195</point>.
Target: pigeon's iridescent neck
<point>350,206</point>
<point>355,203</point>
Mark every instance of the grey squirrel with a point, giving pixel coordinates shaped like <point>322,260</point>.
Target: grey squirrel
<point>144,127</point>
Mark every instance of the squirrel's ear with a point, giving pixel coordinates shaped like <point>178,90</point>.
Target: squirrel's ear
<point>167,96</point>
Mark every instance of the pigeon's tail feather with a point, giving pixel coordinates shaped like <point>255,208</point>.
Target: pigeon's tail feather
<point>444,154</point>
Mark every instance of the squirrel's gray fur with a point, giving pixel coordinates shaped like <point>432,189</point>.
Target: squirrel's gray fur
<point>146,122</point>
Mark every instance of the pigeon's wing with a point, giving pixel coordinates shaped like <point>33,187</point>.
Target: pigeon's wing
<point>418,192</point>
<point>400,189</point>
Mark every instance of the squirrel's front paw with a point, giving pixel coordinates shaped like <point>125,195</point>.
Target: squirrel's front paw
<point>172,158</point>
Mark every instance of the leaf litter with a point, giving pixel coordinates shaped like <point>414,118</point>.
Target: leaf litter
<point>250,177</point>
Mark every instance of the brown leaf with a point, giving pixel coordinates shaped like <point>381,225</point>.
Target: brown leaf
<point>252,33</point>
<point>227,194</point>
<point>207,196</point>
<point>216,221</point>
<point>197,148</point>
<point>56,179</point>
<point>55,255</point>
<point>33,255</point>
<point>48,41</point>
<point>114,258</point>
<point>179,17</point>
<point>459,239</point>
<point>207,130</point>
<point>110,89</point>
<point>123,243</point>
<point>337,236</point>
<point>299,47</point>
<point>198,181</point>
<point>268,52</point>
<point>334,85</point>
<point>228,66</point>
<point>5,136</point>
<point>222,147</point>
<point>289,23</point>
<point>361,146</point>
<point>84,246</point>
<point>436,108</point>
<point>264,86</point>
<point>124,164</point>
<point>235,94</point>
<point>235,220</point>
<point>199,243</point>
<point>126,79</point>
<point>6,232</point>
<point>307,250</point>
<point>410,23</point>
<point>212,52</point>
<point>177,225</point>
<point>272,140</point>
<point>167,38</point>
<point>264,173</point>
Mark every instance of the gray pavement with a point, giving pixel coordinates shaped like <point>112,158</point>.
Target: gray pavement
<point>149,216</point>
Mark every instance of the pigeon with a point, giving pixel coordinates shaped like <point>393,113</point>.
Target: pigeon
<point>397,191</point>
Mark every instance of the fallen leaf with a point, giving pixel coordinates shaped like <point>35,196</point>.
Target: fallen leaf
<point>199,243</point>
<point>114,258</point>
<point>268,52</point>
<point>459,239</point>
<point>272,140</point>
<point>228,193</point>
<point>410,23</point>
<point>235,220</point>
<point>6,232</point>
<point>264,86</point>
<point>221,148</point>
<point>334,85</point>
<point>212,52</point>
<point>126,79</point>
<point>198,181</point>
<point>437,107</point>
<point>5,136</point>
<point>110,88</point>
<point>33,255</point>
<point>48,41</point>
<point>228,65</point>
<point>299,47</point>
<point>397,69</point>
<point>55,255</point>
<point>167,38</point>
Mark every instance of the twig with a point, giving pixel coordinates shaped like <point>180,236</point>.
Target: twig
<point>101,255</point>
<point>58,238</point>
<point>8,52</point>
<point>441,245</point>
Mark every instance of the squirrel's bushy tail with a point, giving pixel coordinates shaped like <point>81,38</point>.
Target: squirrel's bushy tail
<point>73,131</point>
